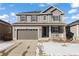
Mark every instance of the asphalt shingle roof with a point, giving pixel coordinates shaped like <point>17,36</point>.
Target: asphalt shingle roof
<point>74,23</point>
<point>3,22</point>
<point>31,12</point>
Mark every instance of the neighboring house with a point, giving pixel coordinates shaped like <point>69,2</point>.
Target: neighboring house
<point>69,34</point>
<point>5,28</point>
<point>47,24</point>
<point>74,28</point>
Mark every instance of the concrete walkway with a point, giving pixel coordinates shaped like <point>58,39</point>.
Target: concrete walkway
<point>21,48</point>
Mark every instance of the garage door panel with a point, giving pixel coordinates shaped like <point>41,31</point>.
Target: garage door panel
<point>27,34</point>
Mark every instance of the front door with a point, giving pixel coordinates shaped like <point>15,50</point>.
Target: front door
<point>45,31</point>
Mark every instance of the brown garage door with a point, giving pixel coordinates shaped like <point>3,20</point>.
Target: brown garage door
<point>27,34</point>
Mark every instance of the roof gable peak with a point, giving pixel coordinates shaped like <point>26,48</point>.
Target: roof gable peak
<point>55,8</point>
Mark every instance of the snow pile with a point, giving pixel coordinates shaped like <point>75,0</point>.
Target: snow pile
<point>60,49</point>
<point>5,45</point>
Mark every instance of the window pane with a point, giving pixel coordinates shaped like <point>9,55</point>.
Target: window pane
<point>34,18</point>
<point>57,29</point>
<point>44,17</point>
<point>56,18</point>
<point>54,29</point>
<point>23,18</point>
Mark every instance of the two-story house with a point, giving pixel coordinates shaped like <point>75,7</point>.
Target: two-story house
<point>47,24</point>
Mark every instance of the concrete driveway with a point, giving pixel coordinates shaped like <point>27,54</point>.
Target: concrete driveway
<point>21,48</point>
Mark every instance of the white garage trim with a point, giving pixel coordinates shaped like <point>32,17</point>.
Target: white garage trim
<point>27,34</point>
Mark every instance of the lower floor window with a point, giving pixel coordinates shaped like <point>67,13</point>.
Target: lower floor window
<point>57,29</point>
<point>54,29</point>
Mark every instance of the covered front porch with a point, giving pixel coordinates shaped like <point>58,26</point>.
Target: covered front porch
<point>53,32</point>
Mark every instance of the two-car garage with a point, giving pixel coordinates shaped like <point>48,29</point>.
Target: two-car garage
<point>24,34</point>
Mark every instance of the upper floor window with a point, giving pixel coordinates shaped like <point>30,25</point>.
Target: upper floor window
<point>44,17</point>
<point>23,18</point>
<point>56,18</point>
<point>34,18</point>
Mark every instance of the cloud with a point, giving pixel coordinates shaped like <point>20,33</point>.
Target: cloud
<point>74,8</point>
<point>66,17</point>
<point>4,17</point>
<point>13,20</point>
<point>75,5</point>
<point>8,18</point>
<point>12,14</point>
<point>72,11</point>
<point>42,5</point>
<point>75,16</point>
<point>51,4</point>
<point>46,4</point>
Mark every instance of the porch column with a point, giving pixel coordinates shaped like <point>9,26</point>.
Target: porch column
<point>14,33</point>
<point>64,33</point>
<point>50,32</point>
<point>39,33</point>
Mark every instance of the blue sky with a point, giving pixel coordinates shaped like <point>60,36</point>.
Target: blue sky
<point>8,10</point>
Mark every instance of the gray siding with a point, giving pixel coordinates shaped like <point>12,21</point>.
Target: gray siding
<point>40,18</point>
<point>27,34</point>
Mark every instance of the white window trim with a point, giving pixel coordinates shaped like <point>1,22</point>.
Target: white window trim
<point>56,17</point>
<point>23,18</point>
<point>35,19</point>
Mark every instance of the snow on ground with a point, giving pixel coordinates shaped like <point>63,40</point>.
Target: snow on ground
<point>5,45</point>
<point>60,49</point>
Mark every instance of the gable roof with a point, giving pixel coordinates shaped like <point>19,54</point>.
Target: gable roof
<point>41,12</point>
<point>46,9</point>
<point>55,8</point>
<point>74,23</point>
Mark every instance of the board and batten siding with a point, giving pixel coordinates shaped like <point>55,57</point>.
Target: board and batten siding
<point>56,12</point>
<point>40,19</point>
<point>49,18</point>
<point>49,11</point>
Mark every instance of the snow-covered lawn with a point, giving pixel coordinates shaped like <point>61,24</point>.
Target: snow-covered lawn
<point>5,45</point>
<point>60,49</point>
